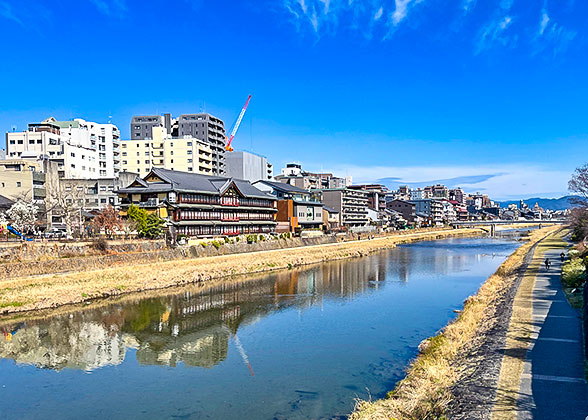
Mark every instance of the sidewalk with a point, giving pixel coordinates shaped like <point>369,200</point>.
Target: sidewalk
<point>553,384</point>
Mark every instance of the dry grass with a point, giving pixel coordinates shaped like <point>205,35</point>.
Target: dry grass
<point>425,391</point>
<point>50,291</point>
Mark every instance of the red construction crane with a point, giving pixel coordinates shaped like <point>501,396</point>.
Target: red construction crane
<point>228,140</point>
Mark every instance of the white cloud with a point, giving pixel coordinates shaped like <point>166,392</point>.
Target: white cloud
<point>508,181</point>
<point>468,5</point>
<point>7,13</point>
<point>379,13</point>
<point>494,33</point>
<point>544,21</point>
<point>110,7</point>
<point>400,11</point>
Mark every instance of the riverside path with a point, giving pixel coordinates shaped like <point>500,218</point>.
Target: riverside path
<point>544,348</point>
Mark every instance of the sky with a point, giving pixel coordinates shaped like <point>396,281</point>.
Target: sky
<point>487,94</point>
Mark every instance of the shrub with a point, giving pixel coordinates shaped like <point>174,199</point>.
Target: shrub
<point>237,239</point>
<point>216,244</point>
<point>227,240</point>
<point>204,244</point>
<point>100,245</point>
<point>261,238</point>
<point>251,239</point>
<point>573,273</point>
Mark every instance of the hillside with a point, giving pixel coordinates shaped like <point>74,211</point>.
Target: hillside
<point>561,203</point>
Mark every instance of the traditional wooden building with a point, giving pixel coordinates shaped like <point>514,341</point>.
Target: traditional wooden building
<point>202,205</point>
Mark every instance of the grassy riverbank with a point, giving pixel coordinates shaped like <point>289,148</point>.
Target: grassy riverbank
<point>50,291</point>
<point>425,393</point>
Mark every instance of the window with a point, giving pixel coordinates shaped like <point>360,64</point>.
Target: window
<point>137,144</point>
<point>3,185</point>
<point>20,142</point>
<point>138,162</point>
<point>172,161</point>
<point>124,146</point>
<point>124,162</point>
<point>31,141</point>
<point>73,154</point>
<point>147,161</point>
<point>18,184</point>
<point>39,141</point>
<point>103,200</point>
<point>189,160</point>
<point>190,169</point>
<point>189,143</point>
<point>138,154</point>
<point>171,145</point>
<point>12,142</point>
<point>146,153</point>
<point>189,152</point>
<point>172,152</point>
<point>124,153</point>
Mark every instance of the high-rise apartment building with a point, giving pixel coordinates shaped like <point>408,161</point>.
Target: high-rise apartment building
<point>82,149</point>
<point>204,127</point>
<point>160,150</point>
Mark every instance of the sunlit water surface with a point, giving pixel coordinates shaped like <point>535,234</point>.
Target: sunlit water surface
<point>301,344</point>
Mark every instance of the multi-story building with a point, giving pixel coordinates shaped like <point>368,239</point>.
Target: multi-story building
<point>440,191</point>
<point>376,195</point>
<point>417,194</point>
<point>296,209</point>
<point>406,208</point>
<point>96,194</point>
<point>160,150</point>
<point>204,127</point>
<point>352,205</point>
<point>201,205</point>
<point>294,175</point>
<point>430,209</point>
<point>457,194</point>
<point>33,181</point>
<point>248,166</point>
<point>82,149</point>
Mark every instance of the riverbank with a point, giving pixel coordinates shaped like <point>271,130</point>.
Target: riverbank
<point>431,387</point>
<point>51,291</point>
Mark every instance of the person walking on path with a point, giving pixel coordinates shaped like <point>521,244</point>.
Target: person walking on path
<point>547,264</point>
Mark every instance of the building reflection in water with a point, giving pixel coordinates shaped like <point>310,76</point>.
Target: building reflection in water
<point>194,327</point>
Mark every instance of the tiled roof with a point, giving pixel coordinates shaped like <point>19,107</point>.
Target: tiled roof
<point>282,186</point>
<point>197,183</point>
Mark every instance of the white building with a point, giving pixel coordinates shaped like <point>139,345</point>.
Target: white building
<point>249,166</point>
<point>82,149</point>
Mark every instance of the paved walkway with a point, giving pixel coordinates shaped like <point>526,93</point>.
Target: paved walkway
<point>553,384</point>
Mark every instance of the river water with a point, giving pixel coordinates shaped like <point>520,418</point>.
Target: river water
<point>301,344</point>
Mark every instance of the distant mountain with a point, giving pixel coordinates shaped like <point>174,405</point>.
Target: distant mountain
<point>561,203</point>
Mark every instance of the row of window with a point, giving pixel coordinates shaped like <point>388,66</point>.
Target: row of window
<point>224,201</point>
<point>222,230</point>
<point>221,215</point>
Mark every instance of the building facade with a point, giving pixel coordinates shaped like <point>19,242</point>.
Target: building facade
<point>406,208</point>
<point>203,127</point>
<point>352,205</point>
<point>295,206</point>
<point>97,194</point>
<point>430,209</point>
<point>294,175</point>
<point>82,149</point>
<point>248,166</point>
<point>186,154</point>
<point>201,205</point>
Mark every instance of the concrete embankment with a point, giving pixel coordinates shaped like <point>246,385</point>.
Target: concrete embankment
<point>50,291</point>
<point>456,372</point>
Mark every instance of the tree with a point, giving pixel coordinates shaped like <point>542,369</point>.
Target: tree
<point>147,225</point>
<point>23,216</point>
<point>67,201</point>
<point>108,220</point>
<point>579,215</point>
<point>579,184</point>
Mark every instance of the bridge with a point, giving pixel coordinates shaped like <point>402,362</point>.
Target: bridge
<point>493,223</point>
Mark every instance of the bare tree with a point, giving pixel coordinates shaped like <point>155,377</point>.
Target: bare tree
<point>108,220</point>
<point>579,185</point>
<point>67,201</point>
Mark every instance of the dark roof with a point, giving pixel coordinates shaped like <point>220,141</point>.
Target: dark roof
<point>196,183</point>
<point>5,203</point>
<point>282,186</point>
<point>330,209</point>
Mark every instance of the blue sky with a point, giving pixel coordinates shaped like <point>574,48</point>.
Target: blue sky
<point>493,93</point>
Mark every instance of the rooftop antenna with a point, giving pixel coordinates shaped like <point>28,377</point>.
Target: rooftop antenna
<point>110,119</point>
<point>13,128</point>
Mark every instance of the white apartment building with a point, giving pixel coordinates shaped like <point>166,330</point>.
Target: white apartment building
<point>186,154</point>
<point>82,149</point>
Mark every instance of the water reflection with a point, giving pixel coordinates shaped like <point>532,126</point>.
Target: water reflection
<point>195,326</point>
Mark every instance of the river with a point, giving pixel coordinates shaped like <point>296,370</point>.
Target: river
<point>299,344</point>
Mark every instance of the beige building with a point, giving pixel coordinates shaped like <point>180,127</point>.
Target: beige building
<point>186,154</point>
